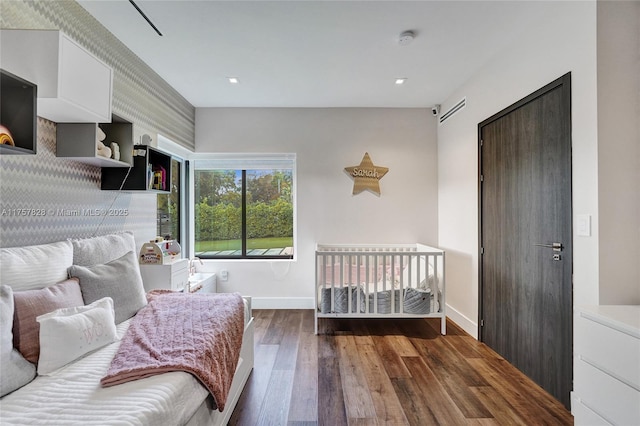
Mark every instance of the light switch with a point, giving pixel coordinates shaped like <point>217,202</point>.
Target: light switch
<point>584,225</point>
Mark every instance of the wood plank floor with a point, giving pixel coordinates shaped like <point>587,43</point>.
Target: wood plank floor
<point>383,372</point>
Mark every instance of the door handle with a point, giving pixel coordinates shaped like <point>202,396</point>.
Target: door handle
<point>554,246</point>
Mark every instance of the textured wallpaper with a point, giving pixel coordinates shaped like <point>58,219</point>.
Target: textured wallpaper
<point>44,198</point>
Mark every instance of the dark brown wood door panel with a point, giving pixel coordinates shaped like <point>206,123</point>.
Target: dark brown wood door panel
<point>525,207</point>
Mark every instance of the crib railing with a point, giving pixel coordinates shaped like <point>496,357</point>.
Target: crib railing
<point>393,281</point>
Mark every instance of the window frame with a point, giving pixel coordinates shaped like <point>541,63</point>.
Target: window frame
<point>182,236</point>
<point>182,155</point>
<point>244,162</point>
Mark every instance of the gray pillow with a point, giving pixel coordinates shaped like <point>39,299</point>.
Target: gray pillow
<point>417,301</point>
<point>15,371</point>
<point>119,279</point>
<point>99,250</point>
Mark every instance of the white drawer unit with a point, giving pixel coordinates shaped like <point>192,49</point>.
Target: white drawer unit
<point>172,276</point>
<point>203,282</point>
<point>606,383</point>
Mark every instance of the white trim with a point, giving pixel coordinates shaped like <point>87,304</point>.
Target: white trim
<point>462,321</point>
<point>282,302</point>
<point>170,147</point>
<point>249,161</point>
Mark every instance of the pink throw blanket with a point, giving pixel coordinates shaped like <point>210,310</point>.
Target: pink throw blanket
<point>198,333</point>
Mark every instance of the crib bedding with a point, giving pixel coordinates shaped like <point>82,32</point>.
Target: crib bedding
<point>73,395</point>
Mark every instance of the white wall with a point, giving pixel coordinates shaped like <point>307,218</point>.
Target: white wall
<point>564,41</point>
<point>326,141</point>
<point>619,151</point>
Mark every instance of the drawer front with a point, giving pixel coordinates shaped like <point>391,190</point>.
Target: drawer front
<point>608,349</point>
<point>179,279</point>
<point>583,415</point>
<point>611,399</point>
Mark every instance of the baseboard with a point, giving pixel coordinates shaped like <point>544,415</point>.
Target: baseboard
<point>465,323</point>
<point>282,302</point>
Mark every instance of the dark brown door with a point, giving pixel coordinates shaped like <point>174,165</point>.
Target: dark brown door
<point>525,236</point>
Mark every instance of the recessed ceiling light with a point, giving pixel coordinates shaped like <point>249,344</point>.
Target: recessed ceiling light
<point>400,81</point>
<point>233,80</point>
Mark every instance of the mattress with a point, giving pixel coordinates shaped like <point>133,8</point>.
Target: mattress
<point>73,395</point>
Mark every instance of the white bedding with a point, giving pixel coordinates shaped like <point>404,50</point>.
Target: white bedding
<point>73,395</point>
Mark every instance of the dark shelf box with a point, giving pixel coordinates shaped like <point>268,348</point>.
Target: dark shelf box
<point>18,113</point>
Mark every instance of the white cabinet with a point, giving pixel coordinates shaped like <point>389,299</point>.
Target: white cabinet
<point>73,85</point>
<point>203,282</point>
<point>173,276</point>
<point>606,366</point>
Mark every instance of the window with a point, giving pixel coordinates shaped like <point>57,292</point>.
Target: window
<point>244,207</point>
<point>169,206</point>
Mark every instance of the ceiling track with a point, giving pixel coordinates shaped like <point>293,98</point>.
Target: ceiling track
<point>453,110</point>
<point>146,18</point>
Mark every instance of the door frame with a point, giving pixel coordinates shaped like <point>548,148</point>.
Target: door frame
<point>563,80</point>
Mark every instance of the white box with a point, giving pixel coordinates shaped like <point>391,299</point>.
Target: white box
<point>73,84</point>
<point>172,276</point>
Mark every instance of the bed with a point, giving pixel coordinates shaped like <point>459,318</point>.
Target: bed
<point>99,387</point>
<point>380,281</point>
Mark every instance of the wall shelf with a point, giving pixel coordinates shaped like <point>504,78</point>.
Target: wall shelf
<point>18,113</point>
<point>73,84</point>
<point>146,160</point>
<point>79,141</point>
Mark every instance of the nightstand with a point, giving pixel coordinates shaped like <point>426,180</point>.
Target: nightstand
<point>172,276</point>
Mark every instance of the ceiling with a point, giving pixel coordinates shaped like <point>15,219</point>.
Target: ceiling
<point>317,53</point>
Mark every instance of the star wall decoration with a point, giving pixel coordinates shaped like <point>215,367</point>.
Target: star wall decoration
<point>366,176</point>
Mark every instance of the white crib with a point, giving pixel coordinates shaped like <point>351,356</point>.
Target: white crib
<point>380,281</point>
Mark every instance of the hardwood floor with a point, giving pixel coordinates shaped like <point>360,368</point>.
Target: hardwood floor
<point>383,372</point>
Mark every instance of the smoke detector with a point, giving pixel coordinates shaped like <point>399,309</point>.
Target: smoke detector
<point>406,38</point>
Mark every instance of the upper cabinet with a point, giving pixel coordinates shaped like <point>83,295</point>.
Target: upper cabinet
<point>18,123</point>
<point>73,85</point>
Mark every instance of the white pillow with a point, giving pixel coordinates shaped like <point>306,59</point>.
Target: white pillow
<point>35,267</point>
<point>69,333</point>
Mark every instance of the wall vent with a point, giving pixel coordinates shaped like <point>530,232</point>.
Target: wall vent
<point>453,110</point>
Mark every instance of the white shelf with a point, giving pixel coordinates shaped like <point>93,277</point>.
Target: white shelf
<point>78,141</point>
<point>101,161</point>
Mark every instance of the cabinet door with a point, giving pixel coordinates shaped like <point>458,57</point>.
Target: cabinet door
<point>74,86</point>
<point>84,80</point>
